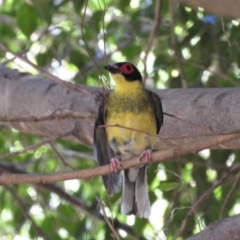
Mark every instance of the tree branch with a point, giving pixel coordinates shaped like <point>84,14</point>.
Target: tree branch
<point>25,211</point>
<point>35,105</point>
<point>7,178</point>
<point>44,73</point>
<point>153,34</point>
<point>34,146</point>
<point>228,228</point>
<point>72,199</point>
<point>202,198</point>
<point>230,8</point>
<point>175,46</point>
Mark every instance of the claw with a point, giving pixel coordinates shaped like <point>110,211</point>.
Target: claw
<point>146,155</point>
<point>114,163</point>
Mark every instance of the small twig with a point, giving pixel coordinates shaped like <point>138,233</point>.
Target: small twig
<point>174,45</point>
<point>55,115</point>
<point>89,67</point>
<point>61,157</point>
<point>115,234</point>
<point>75,154</point>
<point>172,137</point>
<point>74,200</point>
<point>236,182</point>
<point>153,34</point>
<point>202,198</point>
<point>84,40</point>
<point>91,64</point>
<point>104,47</point>
<point>217,73</point>
<point>211,134</point>
<point>224,31</point>
<point>188,193</point>
<point>128,128</point>
<point>216,166</point>
<point>25,211</point>
<point>46,74</point>
<point>34,146</point>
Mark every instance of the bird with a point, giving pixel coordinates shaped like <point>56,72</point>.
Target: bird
<point>128,121</point>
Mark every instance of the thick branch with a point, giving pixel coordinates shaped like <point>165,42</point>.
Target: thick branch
<point>228,228</point>
<point>40,106</point>
<point>230,8</point>
<point>54,108</point>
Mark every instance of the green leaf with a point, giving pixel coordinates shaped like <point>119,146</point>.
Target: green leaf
<point>123,4</point>
<point>27,20</point>
<point>44,58</point>
<point>168,186</point>
<point>76,58</point>
<point>43,9</point>
<point>78,5</point>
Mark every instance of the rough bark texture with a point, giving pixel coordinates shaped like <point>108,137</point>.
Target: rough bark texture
<point>212,111</point>
<point>229,8</point>
<point>23,95</point>
<point>228,228</point>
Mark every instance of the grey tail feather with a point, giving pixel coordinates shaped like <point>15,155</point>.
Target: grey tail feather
<point>127,205</point>
<point>135,199</point>
<point>141,194</point>
<point>112,183</point>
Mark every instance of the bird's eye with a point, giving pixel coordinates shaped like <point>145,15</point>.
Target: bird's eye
<point>127,68</point>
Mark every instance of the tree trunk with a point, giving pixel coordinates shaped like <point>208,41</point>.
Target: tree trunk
<point>36,105</point>
<point>223,8</point>
<point>224,229</point>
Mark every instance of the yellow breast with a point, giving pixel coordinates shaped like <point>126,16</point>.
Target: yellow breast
<point>131,107</point>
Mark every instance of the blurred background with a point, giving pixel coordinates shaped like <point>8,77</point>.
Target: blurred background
<point>174,46</point>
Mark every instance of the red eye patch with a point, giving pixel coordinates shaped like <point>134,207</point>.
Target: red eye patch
<point>127,68</point>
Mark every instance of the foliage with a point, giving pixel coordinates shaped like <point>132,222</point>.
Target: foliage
<point>74,39</point>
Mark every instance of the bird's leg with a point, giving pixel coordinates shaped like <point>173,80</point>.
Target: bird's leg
<point>114,163</point>
<point>146,155</point>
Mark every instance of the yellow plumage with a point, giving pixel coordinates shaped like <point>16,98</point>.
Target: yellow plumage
<point>129,105</point>
<point>138,114</point>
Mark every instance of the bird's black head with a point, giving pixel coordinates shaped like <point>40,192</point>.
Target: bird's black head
<point>128,70</point>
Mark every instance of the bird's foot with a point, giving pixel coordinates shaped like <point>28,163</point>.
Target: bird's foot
<point>114,163</point>
<point>146,155</point>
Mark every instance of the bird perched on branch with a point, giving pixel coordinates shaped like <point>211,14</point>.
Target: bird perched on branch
<point>131,116</point>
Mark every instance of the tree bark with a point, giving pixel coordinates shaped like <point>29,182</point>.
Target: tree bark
<point>227,228</point>
<point>223,8</point>
<point>37,105</point>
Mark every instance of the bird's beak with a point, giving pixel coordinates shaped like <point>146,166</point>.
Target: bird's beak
<point>112,69</point>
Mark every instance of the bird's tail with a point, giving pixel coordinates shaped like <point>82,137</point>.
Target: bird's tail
<point>112,183</point>
<point>135,199</point>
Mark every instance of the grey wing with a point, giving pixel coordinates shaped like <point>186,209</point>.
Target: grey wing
<point>102,151</point>
<point>157,108</point>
